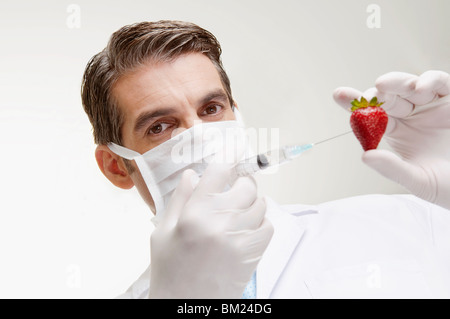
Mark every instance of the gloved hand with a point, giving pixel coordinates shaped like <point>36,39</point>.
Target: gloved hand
<point>208,242</point>
<point>418,130</point>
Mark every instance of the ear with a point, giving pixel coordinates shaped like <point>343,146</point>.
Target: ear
<point>113,167</point>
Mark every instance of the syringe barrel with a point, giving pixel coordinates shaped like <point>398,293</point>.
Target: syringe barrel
<point>260,162</point>
<point>247,167</point>
<point>271,158</point>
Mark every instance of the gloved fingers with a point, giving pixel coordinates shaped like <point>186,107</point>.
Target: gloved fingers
<point>430,85</point>
<point>345,95</point>
<point>434,115</point>
<point>396,106</point>
<point>398,83</point>
<point>248,219</point>
<point>391,125</point>
<point>217,175</point>
<point>214,179</point>
<point>254,242</point>
<point>240,196</point>
<point>179,197</point>
<point>396,169</point>
<point>418,90</point>
<point>393,104</point>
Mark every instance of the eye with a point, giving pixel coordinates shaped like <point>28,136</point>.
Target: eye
<point>157,128</point>
<point>212,109</point>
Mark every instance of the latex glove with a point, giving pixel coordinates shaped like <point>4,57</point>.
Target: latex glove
<point>209,242</point>
<point>418,131</point>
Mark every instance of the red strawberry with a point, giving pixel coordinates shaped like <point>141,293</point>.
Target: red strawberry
<point>368,122</point>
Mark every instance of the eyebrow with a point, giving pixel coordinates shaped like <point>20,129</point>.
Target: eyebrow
<point>146,117</point>
<point>218,94</point>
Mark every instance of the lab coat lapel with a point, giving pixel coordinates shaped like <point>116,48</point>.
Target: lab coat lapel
<point>288,230</point>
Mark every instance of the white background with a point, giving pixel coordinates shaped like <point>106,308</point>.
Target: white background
<point>66,232</point>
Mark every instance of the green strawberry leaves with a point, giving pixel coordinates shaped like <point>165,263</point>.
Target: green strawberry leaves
<point>364,103</point>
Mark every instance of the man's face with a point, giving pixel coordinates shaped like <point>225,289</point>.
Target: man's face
<point>160,100</point>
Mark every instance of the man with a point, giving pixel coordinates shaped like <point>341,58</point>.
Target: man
<point>149,89</point>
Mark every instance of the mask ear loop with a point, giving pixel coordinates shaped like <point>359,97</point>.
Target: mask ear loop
<point>123,151</point>
<point>140,162</point>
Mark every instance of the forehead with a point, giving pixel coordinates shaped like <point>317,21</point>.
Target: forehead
<point>164,84</point>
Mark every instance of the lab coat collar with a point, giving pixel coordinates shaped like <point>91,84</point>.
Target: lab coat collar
<point>289,228</point>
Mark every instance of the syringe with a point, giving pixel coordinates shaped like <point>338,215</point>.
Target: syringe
<point>275,157</point>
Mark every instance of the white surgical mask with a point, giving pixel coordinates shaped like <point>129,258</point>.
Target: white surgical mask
<point>194,148</point>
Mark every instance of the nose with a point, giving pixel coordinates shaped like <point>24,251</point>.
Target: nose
<point>189,119</point>
<point>192,120</point>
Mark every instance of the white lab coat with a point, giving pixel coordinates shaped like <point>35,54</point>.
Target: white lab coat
<point>374,246</point>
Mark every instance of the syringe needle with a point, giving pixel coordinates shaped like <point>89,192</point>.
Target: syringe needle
<point>331,138</point>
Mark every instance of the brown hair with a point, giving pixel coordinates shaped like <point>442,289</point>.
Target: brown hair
<point>127,49</point>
